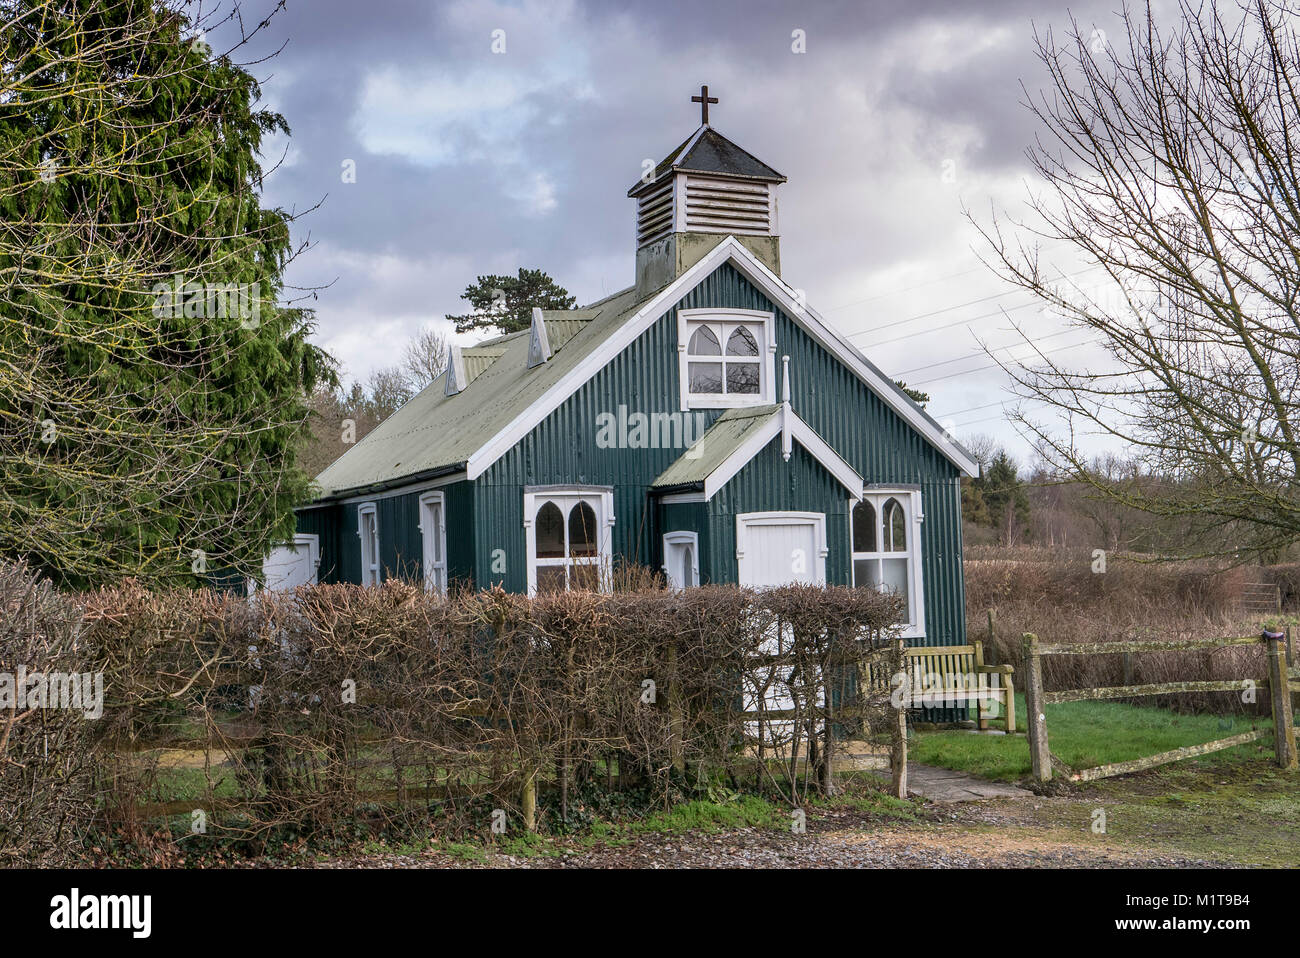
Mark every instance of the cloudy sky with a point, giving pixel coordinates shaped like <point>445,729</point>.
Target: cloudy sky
<point>469,161</point>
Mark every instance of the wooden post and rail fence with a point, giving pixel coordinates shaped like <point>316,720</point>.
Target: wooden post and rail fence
<point>1282,680</point>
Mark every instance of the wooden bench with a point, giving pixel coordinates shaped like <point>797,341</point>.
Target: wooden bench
<point>952,666</point>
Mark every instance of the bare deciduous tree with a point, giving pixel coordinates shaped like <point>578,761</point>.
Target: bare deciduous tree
<point>1171,160</point>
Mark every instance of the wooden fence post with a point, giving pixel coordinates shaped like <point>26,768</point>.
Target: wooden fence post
<point>1290,661</point>
<point>1280,693</point>
<point>898,745</point>
<point>898,755</point>
<point>1010,694</point>
<point>1039,755</point>
<point>529,800</point>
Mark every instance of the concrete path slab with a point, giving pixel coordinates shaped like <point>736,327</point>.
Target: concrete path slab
<point>945,785</point>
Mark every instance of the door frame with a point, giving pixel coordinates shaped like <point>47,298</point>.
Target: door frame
<point>674,541</point>
<point>747,520</point>
<point>309,541</point>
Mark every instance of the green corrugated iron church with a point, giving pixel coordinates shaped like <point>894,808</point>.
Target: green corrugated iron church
<point>705,421</point>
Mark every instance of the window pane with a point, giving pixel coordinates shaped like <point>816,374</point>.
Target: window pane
<point>704,343</point>
<point>862,572</point>
<point>893,578</point>
<point>550,532</point>
<point>864,528</point>
<point>742,377</point>
<point>688,567</point>
<point>434,520</point>
<point>582,530</point>
<point>741,343</point>
<point>895,527</point>
<point>705,377</point>
<point>550,578</point>
<point>585,576</point>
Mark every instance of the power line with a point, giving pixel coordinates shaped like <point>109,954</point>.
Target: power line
<point>973,302</point>
<point>960,322</point>
<point>965,372</point>
<point>934,281</point>
<point>961,412</point>
<point>945,362</point>
<point>908,289</point>
<point>976,422</point>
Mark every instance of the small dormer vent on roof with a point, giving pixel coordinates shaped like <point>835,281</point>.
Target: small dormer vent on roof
<point>456,378</point>
<point>539,343</point>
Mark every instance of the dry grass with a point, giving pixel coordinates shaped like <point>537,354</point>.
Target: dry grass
<point>1060,598</point>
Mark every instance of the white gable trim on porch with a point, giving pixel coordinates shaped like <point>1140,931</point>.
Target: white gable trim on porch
<point>803,434</point>
<point>729,250</point>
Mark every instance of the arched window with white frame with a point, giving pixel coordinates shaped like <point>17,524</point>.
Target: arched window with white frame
<point>682,560</point>
<point>568,538</point>
<point>885,532</point>
<point>727,357</point>
<point>433,536</point>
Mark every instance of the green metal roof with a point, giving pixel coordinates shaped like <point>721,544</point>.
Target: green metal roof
<point>479,358</point>
<point>434,432</point>
<point>719,441</point>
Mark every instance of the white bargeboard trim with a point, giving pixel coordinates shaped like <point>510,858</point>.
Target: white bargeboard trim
<point>803,434</point>
<point>729,250</point>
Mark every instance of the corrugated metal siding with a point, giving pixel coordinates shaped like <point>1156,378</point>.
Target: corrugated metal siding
<point>770,484</point>
<point>859,425</point>
<point>871,437</point>
<point>686,517</point>
<point>401,543</point>
<point>460,533</point>
<point>562,449</point>
<point>324,522</point>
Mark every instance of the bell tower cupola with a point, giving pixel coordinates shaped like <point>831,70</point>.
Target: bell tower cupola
<point>705,190</point>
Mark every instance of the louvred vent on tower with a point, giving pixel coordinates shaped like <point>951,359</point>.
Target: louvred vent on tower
<point>707,185</point>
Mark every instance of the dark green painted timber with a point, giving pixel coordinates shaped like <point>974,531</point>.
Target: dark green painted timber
<point>487,545</point>
<point>401,544</point>
<point>770,484</point>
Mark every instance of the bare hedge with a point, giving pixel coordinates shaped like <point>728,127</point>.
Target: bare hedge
<point>314,710</point>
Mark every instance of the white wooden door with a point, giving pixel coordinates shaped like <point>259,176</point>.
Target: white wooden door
<point>778,548</point>
<point>288,567</point>
<point>772,549</point>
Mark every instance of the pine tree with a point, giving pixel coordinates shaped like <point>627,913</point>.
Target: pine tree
<point>1004,495</point>
<point>506,302</point>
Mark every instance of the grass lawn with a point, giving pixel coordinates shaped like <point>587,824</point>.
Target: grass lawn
<point>1084,735</point>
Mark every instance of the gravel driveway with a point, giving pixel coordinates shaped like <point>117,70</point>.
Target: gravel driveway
<point>977,835</point>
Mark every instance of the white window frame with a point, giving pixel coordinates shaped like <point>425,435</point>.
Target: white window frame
<point>601,500</point>
<point>747,520</point>
<point>433,536</point>
<point>371,571</point>
<point>673,543</point>
<point>913,514</point>
<point>761,323</point>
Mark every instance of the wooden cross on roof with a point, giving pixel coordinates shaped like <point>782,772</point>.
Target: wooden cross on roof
<point>704,100</point>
